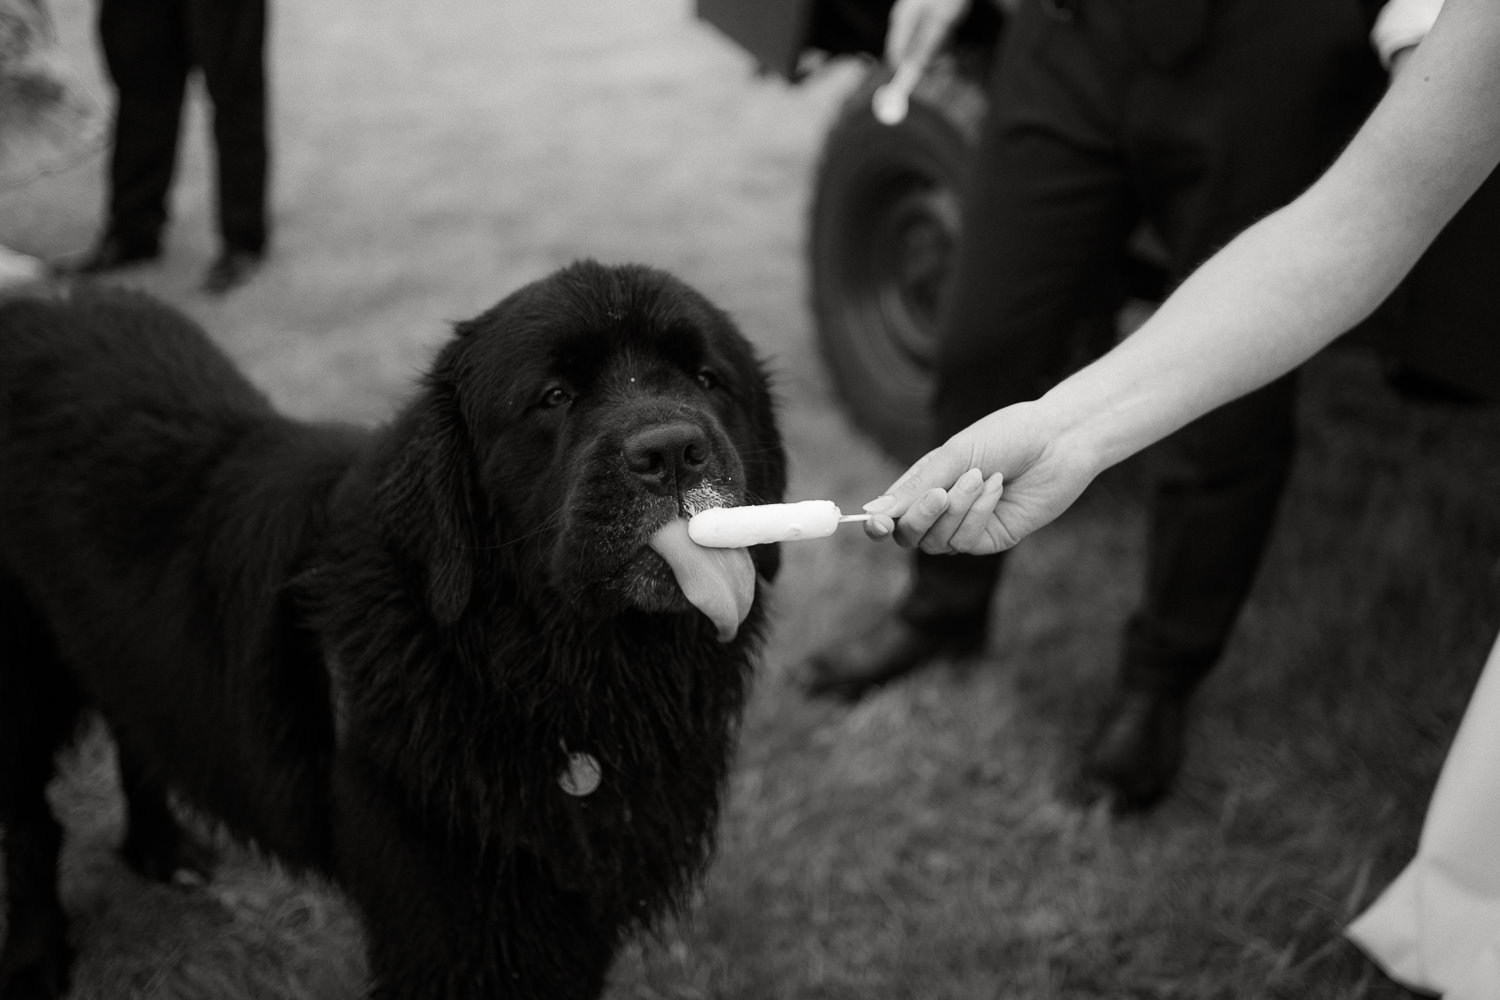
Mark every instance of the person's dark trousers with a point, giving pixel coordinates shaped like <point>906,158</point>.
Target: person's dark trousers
<point>1198,117</point>
<point>150,47</point>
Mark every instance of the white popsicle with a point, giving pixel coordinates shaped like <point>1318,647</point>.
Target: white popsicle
<point>759,524</point>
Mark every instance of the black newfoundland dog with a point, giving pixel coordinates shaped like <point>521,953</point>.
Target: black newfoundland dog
<point>448,664</point>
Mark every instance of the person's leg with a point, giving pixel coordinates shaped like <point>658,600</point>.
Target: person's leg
<point>1241,128</point>
<point>1046,214</point>
<point>1212,510</point>
<point>145,51</point>
<point>229,38</point>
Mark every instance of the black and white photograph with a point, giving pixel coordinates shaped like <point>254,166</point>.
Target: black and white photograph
<point>749,500</point>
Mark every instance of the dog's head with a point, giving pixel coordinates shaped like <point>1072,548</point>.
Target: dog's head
<point>560,430</point>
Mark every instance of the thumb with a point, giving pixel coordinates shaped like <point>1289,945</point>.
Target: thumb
<point>939,468</point>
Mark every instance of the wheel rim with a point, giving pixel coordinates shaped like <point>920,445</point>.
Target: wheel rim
<point>909,265</point>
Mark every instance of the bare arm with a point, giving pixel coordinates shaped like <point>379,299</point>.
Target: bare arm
<point>1304,275</point>
<point>1260,307</point>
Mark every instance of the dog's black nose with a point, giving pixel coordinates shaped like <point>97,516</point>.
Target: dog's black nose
<point>668,457</point>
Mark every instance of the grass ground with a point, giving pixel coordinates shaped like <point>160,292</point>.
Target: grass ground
<point>427,162</point>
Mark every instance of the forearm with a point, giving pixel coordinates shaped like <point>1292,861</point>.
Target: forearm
<point>1262,306</point>
<point>1307,273</point>
<point>1259,308</point>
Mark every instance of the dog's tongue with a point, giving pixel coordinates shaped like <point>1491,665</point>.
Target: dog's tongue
<point>718,582</point>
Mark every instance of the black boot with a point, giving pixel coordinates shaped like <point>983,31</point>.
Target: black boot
<point>230,270</point>
<point>113,253</point>
<point>1136,751</point>
<point>848,669</point>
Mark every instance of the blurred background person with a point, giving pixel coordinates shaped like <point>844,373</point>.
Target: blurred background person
<point>48,120</point>
<point>150,48</point>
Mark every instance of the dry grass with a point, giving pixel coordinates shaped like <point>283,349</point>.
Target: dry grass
<point>914,846</point>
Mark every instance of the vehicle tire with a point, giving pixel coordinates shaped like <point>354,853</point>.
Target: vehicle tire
<point>884,224</point>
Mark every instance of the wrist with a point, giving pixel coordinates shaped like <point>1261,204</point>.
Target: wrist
<point>1081,433</point>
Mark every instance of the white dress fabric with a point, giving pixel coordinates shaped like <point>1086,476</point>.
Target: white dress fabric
<point>1436,928</point>
<point>1402,24</point>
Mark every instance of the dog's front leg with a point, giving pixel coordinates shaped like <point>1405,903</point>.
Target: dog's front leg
<point>465,937</point>
<point>35,959</point>
<point>448,919</point>
<point>156,845</point>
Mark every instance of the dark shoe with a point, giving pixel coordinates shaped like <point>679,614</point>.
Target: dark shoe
<point>892,649</point>
<point>1136,751</point>
<point>231,270</point>
<point>112,254</point>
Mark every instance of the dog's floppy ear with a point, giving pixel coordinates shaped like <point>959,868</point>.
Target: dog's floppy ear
<point>425,498</point>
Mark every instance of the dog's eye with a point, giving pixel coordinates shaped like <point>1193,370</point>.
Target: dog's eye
<point>556,396</point>
<point>707,379</point>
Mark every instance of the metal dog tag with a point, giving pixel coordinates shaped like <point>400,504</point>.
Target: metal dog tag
<point>582,776</point>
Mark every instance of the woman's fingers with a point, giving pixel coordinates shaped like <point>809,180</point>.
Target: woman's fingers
<point>923,513</point>
<point>974,535</point>
<point>961,496</point>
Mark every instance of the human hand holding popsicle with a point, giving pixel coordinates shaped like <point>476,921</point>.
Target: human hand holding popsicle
<point>994,482</point>
<point>764,524</point>
<point>916,30</point>
<point>980,492</point>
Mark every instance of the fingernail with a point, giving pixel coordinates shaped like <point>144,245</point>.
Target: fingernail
<point>969,480</point>
<point>880,504</point>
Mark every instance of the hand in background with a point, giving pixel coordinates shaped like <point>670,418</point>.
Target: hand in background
<point>918,28</point>
<point>987,487</point>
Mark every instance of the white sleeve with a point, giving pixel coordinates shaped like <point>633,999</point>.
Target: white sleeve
<point>1402,24</point>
